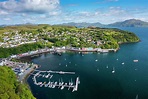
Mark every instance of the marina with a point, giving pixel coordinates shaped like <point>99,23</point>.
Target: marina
<point>60,83</point>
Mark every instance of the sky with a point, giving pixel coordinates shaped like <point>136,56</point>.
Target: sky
<point>64,11</point>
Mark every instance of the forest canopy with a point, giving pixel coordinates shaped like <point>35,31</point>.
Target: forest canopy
<point>10,88</point>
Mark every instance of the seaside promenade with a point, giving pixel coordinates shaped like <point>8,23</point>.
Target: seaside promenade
<point>59,50</point>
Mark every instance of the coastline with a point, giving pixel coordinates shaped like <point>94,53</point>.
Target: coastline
<point>23,78</point>
<point>59,50</point>
<point>28,58</point>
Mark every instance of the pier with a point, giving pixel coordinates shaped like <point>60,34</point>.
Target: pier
<point>72,84</point>
<point>59,72</point>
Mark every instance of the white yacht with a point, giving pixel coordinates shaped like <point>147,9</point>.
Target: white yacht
<point>136,96</point>
<point>135,60</point>
<point>113,71</point>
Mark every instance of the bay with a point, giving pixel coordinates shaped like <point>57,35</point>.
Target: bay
<point>95,72</point>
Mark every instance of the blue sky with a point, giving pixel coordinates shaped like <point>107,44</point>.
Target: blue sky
<point>63,11</point>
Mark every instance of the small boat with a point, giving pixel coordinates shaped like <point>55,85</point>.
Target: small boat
<point>106,66</point>
<point>41,84</point>
<point>69,87</point>
<point>59,83</point>
<point>135,60</point>
<point>113,71</point>
<point>51,76</point>
<point>53,86</point>
<point>96,60</point>
<point>46,85</point>
<point>43,75</point>
<point>136,69</point>
<point>97,69</point>
<point>61,72</point>
<point>47,75</point>
<point>71,82</point>
<point>136,96</point>
<point>123,63</point>
<point>62,87</point>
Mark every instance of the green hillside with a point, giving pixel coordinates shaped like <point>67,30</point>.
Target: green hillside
<point>46,35</point>
<point>10,88</point>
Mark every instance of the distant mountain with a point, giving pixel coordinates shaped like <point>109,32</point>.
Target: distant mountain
<point>83,24</point>
<point>130,23</point>
<point>18,24</point>
<point>126,23</point>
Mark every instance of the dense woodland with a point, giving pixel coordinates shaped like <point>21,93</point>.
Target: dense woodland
<point>6,52</point>
<point>10,88</point>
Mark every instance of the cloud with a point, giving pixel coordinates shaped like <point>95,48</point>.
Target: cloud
<point>7,19</point>
<point>29,6</point>
<point>3,12</point>
<point>116,11</point>
<point>29,20</point>
<point>108,15</point>
<point>51,12</point>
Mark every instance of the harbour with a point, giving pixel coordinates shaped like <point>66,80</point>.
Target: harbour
<point>102,76</point>
<point>53,84</point>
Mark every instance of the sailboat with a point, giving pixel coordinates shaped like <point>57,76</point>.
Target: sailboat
<point>136,96</point>
<point>97,69</point>
<point>113,71</point>
<point>135,60</point>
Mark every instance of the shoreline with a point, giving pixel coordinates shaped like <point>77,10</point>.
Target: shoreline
<point>28,59</point>
<point>58,50</point>
<point>23,78</point>
<point>28,75</point>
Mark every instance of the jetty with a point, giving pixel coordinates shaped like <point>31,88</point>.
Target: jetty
<point>58,72</point>
<point>72,84</point>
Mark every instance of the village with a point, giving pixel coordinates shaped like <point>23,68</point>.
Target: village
<point>72,37</point>
<point>53,39</point>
